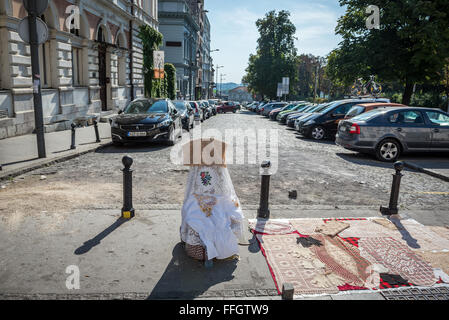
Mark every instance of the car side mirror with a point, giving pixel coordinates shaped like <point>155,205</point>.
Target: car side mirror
<point>175,111</point>
<point>120,111</point>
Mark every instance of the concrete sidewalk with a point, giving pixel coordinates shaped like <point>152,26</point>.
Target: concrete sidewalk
<point>141,258</point>
<point>19,154</point>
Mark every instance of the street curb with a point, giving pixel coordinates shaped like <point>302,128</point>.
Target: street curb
<point>268,294</point>
<point>48,162</point>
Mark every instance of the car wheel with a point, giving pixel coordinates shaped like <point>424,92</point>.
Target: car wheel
<point>318,133</point>
<point>233,111</point>
<point>388,150</point>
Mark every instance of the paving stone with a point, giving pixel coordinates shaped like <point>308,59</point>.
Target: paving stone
<point>250,293</point>
<point>239,293</point>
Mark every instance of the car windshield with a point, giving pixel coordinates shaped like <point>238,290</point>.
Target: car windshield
<point>331,106</point>
<point>146,106</point>
<point>180,105</point>
<point>290,106</point>
<point>355,110</point>
<point>306,108</point>
<point>321,108</point>
<point>367,115</point>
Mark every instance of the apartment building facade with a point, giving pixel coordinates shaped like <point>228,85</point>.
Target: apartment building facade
<point>186,30</point>
<point>91,68</point>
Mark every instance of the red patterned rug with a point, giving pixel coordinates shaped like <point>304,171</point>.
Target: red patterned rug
<point>398,258</point>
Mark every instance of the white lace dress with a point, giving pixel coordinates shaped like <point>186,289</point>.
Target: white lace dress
<point>211,213</point>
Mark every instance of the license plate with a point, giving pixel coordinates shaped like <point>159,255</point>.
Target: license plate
<point>137,134</point>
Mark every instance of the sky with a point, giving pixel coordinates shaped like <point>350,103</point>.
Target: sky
<point>234,32</point>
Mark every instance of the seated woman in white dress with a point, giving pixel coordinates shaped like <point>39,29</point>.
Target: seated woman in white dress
<point>211,214</point>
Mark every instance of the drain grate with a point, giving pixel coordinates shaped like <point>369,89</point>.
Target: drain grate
<point>436,293</point>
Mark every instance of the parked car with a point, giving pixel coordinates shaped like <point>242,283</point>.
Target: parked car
<point>275,112</point>
<point>324,125</point>
<point>390,132</point>
<point>303,118</point>
<point>265,111</point>
<point>282,116</point>
<point>250,106</point>
<point>204,107</point>
<point>228,106</point>
<point>365,107</point>
<point>213,105</point>
<point>291,118</point>
<point>186,112</point>
<point>210,108</point>
<point>145,120</point>
<point>260,106</point>
<point>199,115</point>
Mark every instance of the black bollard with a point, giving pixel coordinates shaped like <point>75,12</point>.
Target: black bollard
<point>72,146</point>
<point>97,135</point>
<point>394,196</point>
<point>127,210</point>
<point>263,211</point>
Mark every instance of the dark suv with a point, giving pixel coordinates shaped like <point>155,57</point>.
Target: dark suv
<point>324,124</point>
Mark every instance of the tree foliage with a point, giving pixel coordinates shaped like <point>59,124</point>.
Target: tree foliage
<point>151,40</point>
<point>171,80</point>
<point>275,56</point>
<point>411,45</point>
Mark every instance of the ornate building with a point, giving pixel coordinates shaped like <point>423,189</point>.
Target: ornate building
<point>186,30</point>
<point>93,69</point>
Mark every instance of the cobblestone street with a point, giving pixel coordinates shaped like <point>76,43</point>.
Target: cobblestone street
<point>322,173</point>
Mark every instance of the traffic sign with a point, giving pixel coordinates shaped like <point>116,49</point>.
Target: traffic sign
<point>24,30</point>
<point>285,85</point>
<point>35,7</point>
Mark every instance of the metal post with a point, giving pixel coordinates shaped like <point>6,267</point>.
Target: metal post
<point>37,97</point>
<point>127,210</point>
<point>97,135</point>
<point>394,196</point>
<point>72,146</point>
<point>263,211</point>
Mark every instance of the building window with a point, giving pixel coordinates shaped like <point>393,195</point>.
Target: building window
<point>173,44</point>
<point>100,35</point>
<point>76,66</point>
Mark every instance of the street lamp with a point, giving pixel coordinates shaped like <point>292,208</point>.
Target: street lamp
<point>221,82</point>
<point>216,82</point>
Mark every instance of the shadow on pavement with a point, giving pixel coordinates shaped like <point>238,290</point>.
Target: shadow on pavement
<point>132,148</point>
<point>20,161</point>
<point>406,236</point>
<point>97,239</point>
<point>425,160</point>
<point>185,278</point>
<point>324,141</point>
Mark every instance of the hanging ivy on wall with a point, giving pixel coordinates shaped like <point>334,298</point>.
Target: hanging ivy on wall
<point>151,40</point>
<point>170,71</point>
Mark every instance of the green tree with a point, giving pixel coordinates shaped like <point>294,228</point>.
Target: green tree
<point>411,45</point>
<point>151,40</point>
<point>275,56</point>
<point>171,80</point>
